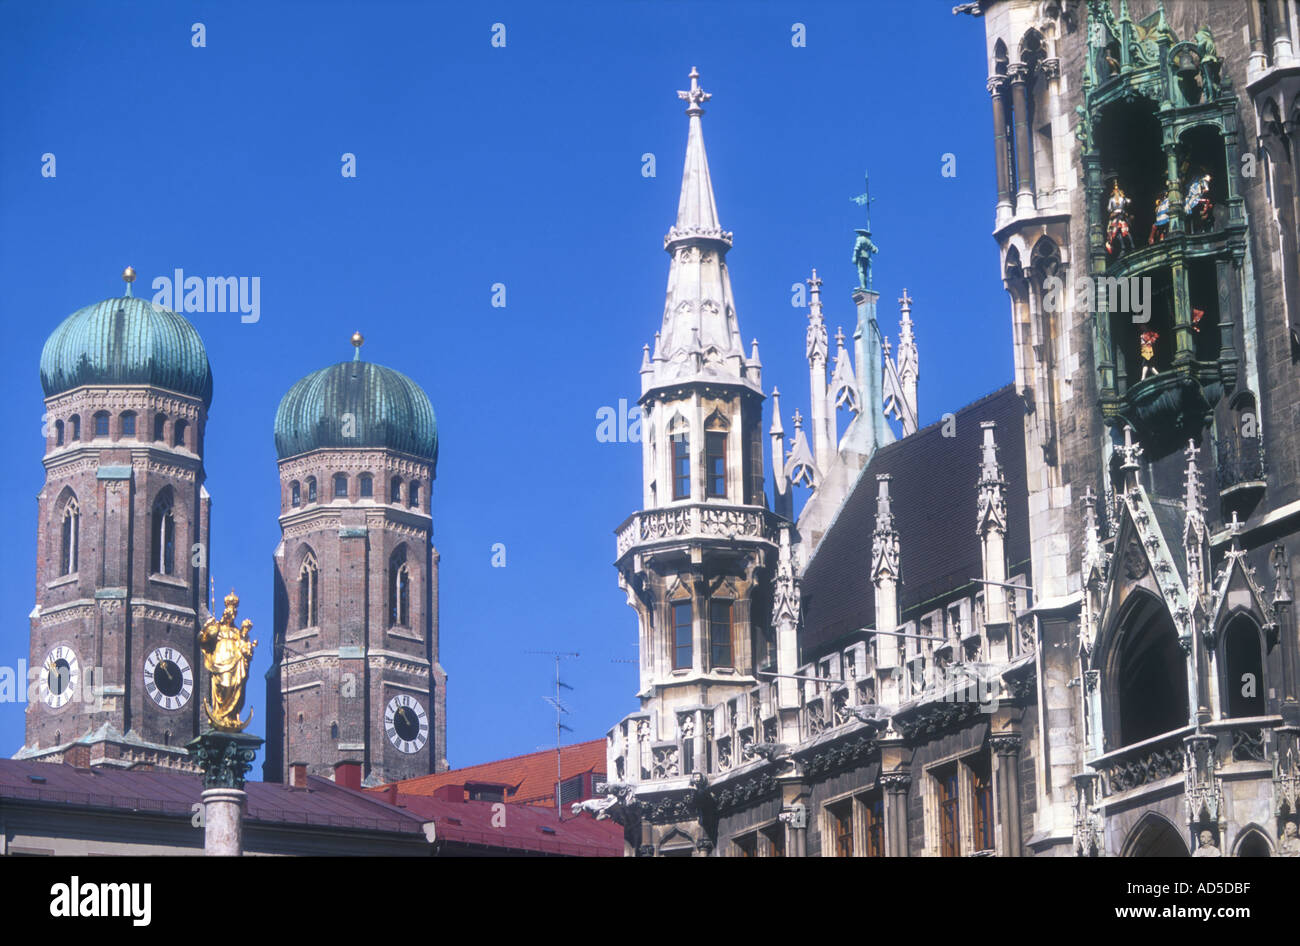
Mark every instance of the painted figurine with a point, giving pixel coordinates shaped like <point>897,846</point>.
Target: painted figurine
<point>1161,225</point>
<point>1207,847</point>
<point>1148,352</point>
<point>1289,846</point>
<point>1117,226</point>
<point>1197,315</point>
<point>1199,207</point>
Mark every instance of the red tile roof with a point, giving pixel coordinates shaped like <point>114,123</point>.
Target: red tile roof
<point>322,803</point>
<point>530,778</point>
<point>510,827</point>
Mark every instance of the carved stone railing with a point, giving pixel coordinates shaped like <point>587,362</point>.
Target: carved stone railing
<point>694,521</point>
<point>1142,763</point>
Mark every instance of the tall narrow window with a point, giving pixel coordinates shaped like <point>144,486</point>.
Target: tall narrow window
<point>681,466</point>
<point>755,468</point>
<point>395,491</point>
<point>340,486</point>
<point>841,825</point>
<point>69,538</point>
<point>74,422</point>
<point>413,494</point>
<point>163,559</point>
<point>101,424</point>
<point>949,836</point>
<point>128,424</point>
<point>873,809</point>
<point>311,489</point>
<point>307,593</point>
<point>178,433</point>
<point>58,433</point>
<point>720,634</point>
<point>715,462</point>
<point>160,427</point>
<point>682,633</point>
<point>367,485</point>
<point>295,494</point>
<point>399,590</point>
<point>982,787</point>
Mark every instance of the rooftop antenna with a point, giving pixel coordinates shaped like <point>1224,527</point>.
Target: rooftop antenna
<point>560,712</point>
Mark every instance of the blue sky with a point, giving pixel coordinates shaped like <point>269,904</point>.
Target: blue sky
<point>479,165</point>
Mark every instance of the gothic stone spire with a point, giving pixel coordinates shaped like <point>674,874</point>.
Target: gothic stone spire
<point>700,337</point>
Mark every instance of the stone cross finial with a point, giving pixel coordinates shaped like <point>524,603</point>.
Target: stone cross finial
<point>1130,451</point>
<point>905,302</point>
<point>695,95</point>
<point>798,420</point>
<point>839,336</point>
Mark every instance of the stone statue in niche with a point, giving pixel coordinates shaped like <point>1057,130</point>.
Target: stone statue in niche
<point>1289,845</point>
<point>1117,220</point>
<point>1206,846</point>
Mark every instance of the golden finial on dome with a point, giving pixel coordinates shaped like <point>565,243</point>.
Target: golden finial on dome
<point>357,341</point>
<point>128,274</point>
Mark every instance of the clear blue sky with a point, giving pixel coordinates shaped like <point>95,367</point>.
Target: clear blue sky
<point>478,165</point>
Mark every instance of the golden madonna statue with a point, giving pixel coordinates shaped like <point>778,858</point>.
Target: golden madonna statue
<point>227,652</point>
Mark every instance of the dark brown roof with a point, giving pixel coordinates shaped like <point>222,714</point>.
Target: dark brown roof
<point>933,496</point>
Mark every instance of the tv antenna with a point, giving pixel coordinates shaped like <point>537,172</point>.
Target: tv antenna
<point>560,712</point>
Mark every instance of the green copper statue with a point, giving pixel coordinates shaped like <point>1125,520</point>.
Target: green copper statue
<point>863,250</point>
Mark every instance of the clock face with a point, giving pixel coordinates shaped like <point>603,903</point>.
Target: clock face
<point>168,678</point>
<point>61,676</point>
<point>406,723</point>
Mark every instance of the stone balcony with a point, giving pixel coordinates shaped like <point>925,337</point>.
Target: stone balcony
<point>676,525</point>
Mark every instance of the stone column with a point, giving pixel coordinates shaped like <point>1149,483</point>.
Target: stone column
<point>997,90</point>
<point>1258,54</point>
<point>895,785</point>
<point>1282,52</point>
<point>1007,748</point>
<point>1024,152</point>
<point>223,821</point>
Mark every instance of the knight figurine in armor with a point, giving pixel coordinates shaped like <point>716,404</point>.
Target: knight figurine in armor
<point>1161,225</point>
<point>1199,207</point>
<point>1117,225</point>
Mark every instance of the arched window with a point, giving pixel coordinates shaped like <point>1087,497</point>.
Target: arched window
<point>311,489</point>
<point>340,486</point>
<point>395,491</point>
<point>58,433</point>
<point>679,435</point>
<point>128,424</point>
<point>178,433</point>
<point>1155,837</point>
<point>399,590</point>
<point>1148,673</point>
<point>159,427</point>
<point>74,424</point>
<point>101,424</point>
<point>295,494</point>
<point>70,535</point>
<point>367,485</point>
<point>307,592</point>
<point>413,494</point>
<point>163,553</point>
<point>715,456</point>
<point>1243,668</point>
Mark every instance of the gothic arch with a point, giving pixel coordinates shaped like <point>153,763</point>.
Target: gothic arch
<point>1252,841</point>
<point>1154,836</point>
<point>1242,665</point>
<point>165,536</point>
<point>998,66</point>
<point>1143,672</point>
<point>399,587</point>
<point>308,585</point>
<point>66,533</point>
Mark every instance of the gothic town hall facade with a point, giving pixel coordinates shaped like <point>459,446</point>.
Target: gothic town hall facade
<point>1060,622</point>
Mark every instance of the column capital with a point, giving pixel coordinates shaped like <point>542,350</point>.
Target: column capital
<point>996,84</point>
<point>895,782</point>
<point>1018,72</point>
<point>1006,743</point>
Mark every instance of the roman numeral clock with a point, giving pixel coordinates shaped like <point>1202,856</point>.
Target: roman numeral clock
<point>406,723</point>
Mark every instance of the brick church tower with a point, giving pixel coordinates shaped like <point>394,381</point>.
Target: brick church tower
<point>355,674</point>
<point>122,538</point>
